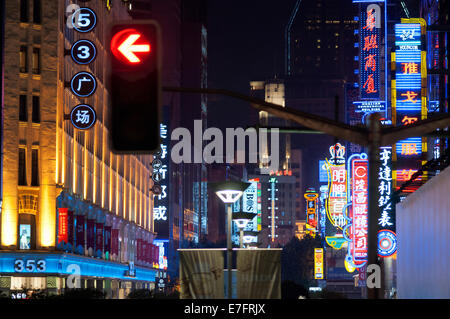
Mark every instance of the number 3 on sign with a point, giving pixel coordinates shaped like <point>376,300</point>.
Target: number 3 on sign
<point>30,265</point>
<point>85,52</point>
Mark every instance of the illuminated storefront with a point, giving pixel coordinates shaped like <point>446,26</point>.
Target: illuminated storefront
<point>335,204</point>
<point>64,192</point>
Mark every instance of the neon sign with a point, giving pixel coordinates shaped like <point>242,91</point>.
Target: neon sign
<point>286,172</point>
<point>311,210</point>
<point>161,176</point>
<point>318,263</point>
<point>357,228</point>
<point>370,43</point>
<point>409,95</point>
<point>337,195</point>
<point>335,204</point>
<point>386,222</point>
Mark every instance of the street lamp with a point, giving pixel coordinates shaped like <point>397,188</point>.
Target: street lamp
<point>248,239</point>
<point>229,192</point>
<point>241,219</point>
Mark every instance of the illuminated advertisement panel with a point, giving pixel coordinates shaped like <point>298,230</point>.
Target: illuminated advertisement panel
<point>258,205</point>
<point>336,202</point>
<point>249,205</point>
<point>318,263</point>
<point>370,50</point>
<point>387,241</point>
<point>311,210</point>
<point>323,174</point>
<point>358,229</point>
<point>322,211</point>
<point>161,177</point>
<point>409,96</point>
<point>63,231</point>
<point>372,62</point>
<point>162,253</point>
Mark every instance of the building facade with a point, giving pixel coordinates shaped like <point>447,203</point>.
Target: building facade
<point>68,202</point>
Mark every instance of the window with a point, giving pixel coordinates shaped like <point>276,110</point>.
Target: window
<point>36,117</point>
<point>23,110</point>
<point>35,168</point>
<point>23,59</point>
<point>22,167</point>
<point>36,61</point>
<point>23,10</point>
<point>37,11</point>
<point>27,232</point>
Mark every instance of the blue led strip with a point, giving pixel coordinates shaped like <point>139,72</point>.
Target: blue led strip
<point>59,264</point>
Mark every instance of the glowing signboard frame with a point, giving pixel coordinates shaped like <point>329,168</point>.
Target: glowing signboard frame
<point>318,263</point>
<point>370,45</point>
<point>337,186</point>
<point>161,202</point>
<point>356,231</point>
<point>409,96</point>
<point>311,197</point>
<point>336,201</point>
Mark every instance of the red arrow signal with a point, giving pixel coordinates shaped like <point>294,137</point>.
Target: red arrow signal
<point>123,45</point>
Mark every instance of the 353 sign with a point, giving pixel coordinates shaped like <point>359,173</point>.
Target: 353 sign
<point>30,265</point>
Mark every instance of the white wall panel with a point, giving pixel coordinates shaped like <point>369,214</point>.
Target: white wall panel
<point>423,231</point>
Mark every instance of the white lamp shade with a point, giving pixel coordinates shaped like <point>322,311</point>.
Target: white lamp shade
<point>229,196</point>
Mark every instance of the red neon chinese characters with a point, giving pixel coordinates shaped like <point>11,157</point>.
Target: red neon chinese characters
<point>370,84</point>
<point>410,68</point>
<point>370,42</point>
<point>370,21</point>
<point>371,63</point>
<point>409,149</point>
<point>410,96</point>
<point>409,120</point>
<point>359,208</point>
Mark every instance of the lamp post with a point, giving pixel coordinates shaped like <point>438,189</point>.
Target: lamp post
<point>229,192</point>
<point>242,219</point>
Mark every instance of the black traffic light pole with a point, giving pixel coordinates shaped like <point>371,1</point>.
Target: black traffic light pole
<point>372,137</point>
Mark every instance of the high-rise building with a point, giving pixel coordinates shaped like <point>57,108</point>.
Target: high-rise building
<point>273,91</point>
<point>69,205</point>
<point>278,211</point>
<point>185,45</point>
<point>320,60</point>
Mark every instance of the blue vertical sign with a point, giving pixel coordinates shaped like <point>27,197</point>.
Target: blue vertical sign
<point>409,96</point>
<point>161,176</point>
<point>370,43</point>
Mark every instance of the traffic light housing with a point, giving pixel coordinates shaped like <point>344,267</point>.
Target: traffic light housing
<point>135,87</point>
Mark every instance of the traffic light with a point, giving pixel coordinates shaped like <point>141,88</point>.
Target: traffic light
<point>135,87</point>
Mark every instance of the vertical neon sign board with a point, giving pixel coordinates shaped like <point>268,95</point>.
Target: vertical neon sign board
<point>336,202</point>
<point>409,94</point>
<point>337,195</point>
<point>387,239</point>
<point>311,211</point>
<point>161,172</point>
<point>359,227</point>
<point>370,44</point>
<point>318,263</point>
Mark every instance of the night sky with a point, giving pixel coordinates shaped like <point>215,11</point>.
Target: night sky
<point>245,43</point>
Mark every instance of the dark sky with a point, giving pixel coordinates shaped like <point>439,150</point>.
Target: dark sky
<point>245,43</point>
